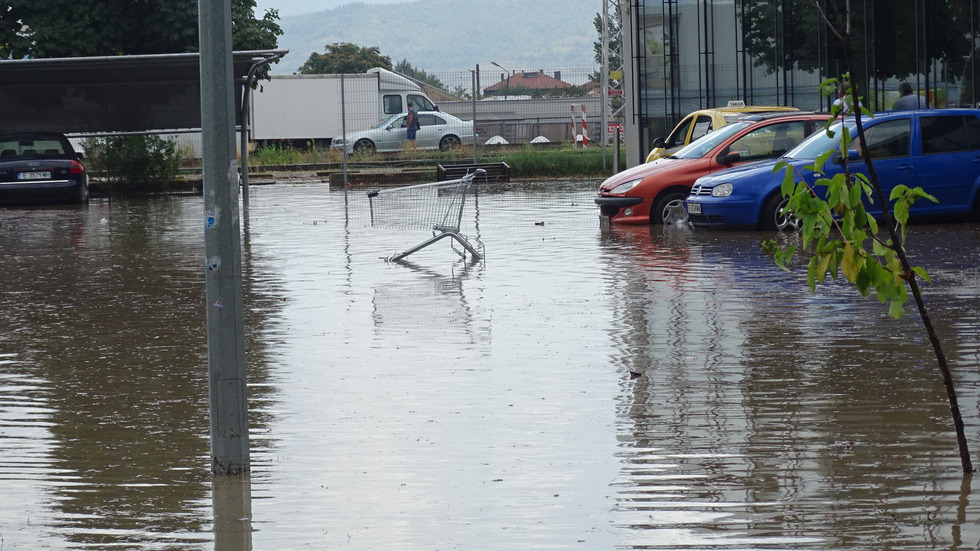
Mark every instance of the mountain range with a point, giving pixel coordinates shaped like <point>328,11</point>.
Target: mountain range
<point>448,35</point>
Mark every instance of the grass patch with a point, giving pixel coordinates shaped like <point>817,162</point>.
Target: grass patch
<point>529,162</point>
<point>278,155</point>
<point>526,161</point>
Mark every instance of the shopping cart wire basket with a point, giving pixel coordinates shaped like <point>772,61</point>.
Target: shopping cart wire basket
<point>436,206</point>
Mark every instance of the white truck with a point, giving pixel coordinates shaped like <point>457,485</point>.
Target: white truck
<point>310,109</point>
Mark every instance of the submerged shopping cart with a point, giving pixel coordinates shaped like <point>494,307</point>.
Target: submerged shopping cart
<point>436,206</point>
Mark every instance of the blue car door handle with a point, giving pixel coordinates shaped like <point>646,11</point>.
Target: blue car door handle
<point>904,167</point>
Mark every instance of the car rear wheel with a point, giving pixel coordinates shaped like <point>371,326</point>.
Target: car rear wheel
<point>364,146</point>
<point>82,194</point>
<point>670,209</point>
<point>774,217</point>
<point>449,142</point>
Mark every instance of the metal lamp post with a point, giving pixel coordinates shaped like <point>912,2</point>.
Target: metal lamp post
<point>506,72</point>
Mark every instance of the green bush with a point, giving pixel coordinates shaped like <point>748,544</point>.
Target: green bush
<point>133,164</point>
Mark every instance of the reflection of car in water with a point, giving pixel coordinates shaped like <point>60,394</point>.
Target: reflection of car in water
<point>935,149</point>
<point>699,123</point>
<point>438,130</point>
<point>41,168</point>
<point>654,192</point>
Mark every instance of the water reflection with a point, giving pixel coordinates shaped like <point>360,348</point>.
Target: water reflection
<point>755,418</point>
<point>232,500</point>
<point>429,298</point>
<point>106,341</point>
<point>631,388</point>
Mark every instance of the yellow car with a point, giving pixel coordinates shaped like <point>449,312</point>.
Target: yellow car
<point>701,122</point>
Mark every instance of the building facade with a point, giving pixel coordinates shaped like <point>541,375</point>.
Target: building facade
<point>684,55</point>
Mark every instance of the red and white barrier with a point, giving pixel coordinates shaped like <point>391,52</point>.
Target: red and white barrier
<point>585,129</point>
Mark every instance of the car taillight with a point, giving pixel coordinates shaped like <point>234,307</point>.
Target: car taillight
<point>76,168</point>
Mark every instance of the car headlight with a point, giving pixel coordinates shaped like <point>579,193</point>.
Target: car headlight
<point>722,190</point>
<point>625,186</point>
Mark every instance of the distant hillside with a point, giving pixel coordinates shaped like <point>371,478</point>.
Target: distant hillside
<point>447,35</point>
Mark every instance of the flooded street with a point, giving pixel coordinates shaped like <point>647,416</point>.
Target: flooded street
<point>579,388</point>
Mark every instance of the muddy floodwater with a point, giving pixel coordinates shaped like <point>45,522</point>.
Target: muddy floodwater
<point>580,388</point>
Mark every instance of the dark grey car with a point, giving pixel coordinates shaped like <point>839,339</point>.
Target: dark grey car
<point>40,167</point>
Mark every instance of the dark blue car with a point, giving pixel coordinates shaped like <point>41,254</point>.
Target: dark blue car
<point>937,149</point>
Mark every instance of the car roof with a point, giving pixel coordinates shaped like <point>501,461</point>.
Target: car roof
<point>927,112</point>
<point>730,113</point>
<point>786,115</point>
<point>20,135</point>
<point>743,109</point>
<point>888,115</point>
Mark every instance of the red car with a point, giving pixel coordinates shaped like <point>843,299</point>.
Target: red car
<point>654,192</point>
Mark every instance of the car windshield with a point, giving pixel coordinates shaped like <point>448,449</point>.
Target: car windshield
<point>701,146</point>
<point>28,146</point>
<point>819,143</point>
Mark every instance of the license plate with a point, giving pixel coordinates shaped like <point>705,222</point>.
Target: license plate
<point>42,175</point>
<point>694,208</point>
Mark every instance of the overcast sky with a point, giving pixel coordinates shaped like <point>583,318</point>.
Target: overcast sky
<point>293,7</point>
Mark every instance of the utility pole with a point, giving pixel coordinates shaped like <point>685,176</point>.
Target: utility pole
<point>222,244</point>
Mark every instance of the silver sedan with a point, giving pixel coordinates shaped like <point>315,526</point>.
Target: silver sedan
<point>438,130</point>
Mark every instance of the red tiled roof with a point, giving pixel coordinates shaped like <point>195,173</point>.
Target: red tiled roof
<point>528,81</point>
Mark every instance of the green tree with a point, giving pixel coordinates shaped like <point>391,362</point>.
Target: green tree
<point>614,27</point>
<point>74,28</point>
<point>343,57</point>
<point>896,38</point>
<point>405,68</point>
<point>843,238</point>
<point>615,41</point>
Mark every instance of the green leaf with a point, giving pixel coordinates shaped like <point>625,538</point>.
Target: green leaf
<point>922,273</point>
<point>898,191</point>
<point>823,261</point>
<point>854,196</point>
<point>788,185</point>
<point>851,263</point>
<point>863,281</point>
<point>821,160</point>
<point>902,212</point>
<point>896,309</point>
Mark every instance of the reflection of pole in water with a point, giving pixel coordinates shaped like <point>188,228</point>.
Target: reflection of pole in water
<point>232,500</point>
<point>343,132</point>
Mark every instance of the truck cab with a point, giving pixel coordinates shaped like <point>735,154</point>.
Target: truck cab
<point>396,91</point>
<point>398,103</point>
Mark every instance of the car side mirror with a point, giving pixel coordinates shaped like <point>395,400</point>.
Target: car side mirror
<point>852,156</point>
<point>730,158</point>
<point>658,142</point>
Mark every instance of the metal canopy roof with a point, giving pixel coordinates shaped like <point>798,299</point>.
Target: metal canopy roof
<point>109,94</point>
